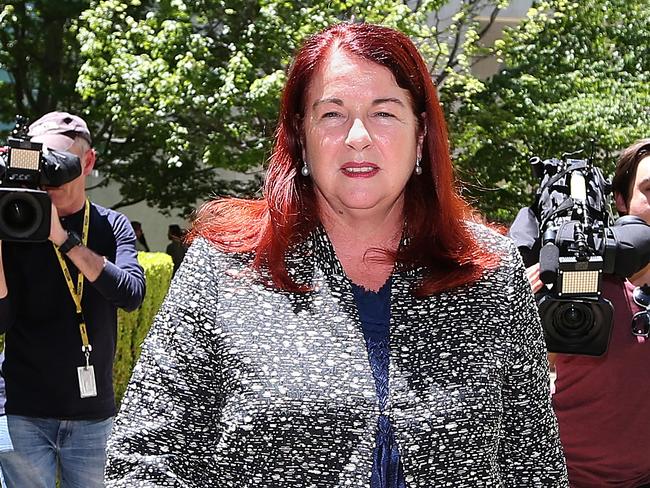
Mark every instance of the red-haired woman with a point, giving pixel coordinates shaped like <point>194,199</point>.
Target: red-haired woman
<point>353,327</point>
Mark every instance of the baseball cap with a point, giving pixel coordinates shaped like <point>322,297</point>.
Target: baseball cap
<point>57,130</point>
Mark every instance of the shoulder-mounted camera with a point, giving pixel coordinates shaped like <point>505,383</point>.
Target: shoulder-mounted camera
<point>570,232</point>
<point>26,170</point>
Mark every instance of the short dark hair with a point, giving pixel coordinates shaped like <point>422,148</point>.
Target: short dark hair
<point>175,230</point>
<point>626,167</point>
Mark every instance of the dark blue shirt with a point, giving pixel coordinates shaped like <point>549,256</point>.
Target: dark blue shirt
<point>43,342</point>
<point>374,312</point>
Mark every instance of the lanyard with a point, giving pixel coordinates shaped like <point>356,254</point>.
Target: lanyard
<point>77,293</point>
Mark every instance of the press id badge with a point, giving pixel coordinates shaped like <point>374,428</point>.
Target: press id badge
<point>87,385</point>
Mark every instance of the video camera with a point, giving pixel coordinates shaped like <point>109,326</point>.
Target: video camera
<point>25,169</point>
<point>569,231</point>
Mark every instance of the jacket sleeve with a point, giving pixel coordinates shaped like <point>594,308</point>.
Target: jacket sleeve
<point>165,428</point>
<point>122,282</point>
<point>530,453</point>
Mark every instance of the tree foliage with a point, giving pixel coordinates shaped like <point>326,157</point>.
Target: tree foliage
<point>184,87</point>
<point>178,90</point>
<point>40,53</point>
<point>574,72</point>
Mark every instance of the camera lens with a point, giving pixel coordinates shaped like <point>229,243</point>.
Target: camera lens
<point>576,326</point>
<point>21,215</point>
<point>573,319</point>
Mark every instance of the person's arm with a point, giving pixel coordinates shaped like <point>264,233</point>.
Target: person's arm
<point>3,280</point>
<point>532,273</point>
<point>163,433</point>
<point>6,312</point>
<point>121,282</point>
<point>530,453</point>
<point>536,284</point>
<point>89,263</point>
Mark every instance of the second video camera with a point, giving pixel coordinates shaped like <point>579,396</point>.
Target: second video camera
<point>569,231</point>
<point>25,170</point>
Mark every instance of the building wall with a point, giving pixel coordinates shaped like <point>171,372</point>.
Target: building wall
<point>154,223</point>
<point>509,17</point>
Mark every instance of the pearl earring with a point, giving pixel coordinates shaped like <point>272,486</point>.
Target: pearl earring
<point>418,168</point>
<point>305,169</point>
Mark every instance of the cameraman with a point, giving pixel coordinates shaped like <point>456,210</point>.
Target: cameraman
<point>60,401</point>
<point>602,402</point>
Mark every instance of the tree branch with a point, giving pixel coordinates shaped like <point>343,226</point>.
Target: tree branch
<point>126,203</point>
<point>493,17</point>
<point>439,50</point>
<point>452,61</point>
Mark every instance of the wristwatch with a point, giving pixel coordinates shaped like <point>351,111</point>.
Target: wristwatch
<point>73,240</point>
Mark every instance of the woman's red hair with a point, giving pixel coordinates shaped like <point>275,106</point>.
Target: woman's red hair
<point>435,214</point>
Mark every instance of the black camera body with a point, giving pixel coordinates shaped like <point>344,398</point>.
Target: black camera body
<point>570,231</point>
<point>25,169</point>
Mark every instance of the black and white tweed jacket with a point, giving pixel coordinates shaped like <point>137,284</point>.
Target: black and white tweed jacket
<point>243,385</point>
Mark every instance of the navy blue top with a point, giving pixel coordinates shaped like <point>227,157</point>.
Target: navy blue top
<point>374,312</point>
<point>43,342</point>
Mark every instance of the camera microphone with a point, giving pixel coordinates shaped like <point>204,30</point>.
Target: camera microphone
<point>549,256</point>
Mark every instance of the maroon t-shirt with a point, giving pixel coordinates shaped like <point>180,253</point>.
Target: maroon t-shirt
<point>603,404</point>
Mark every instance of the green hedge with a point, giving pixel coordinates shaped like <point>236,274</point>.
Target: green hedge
<point>132,327</point>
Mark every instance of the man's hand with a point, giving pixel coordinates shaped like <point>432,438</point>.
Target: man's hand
<point>532,274</point>
<point>58,235</point>
<point>88,262</point>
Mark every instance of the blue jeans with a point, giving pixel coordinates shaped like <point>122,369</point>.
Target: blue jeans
<point>77,448</point>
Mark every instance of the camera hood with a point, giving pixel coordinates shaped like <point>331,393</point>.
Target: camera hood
<point>59,167</point>
<point>632,250</point>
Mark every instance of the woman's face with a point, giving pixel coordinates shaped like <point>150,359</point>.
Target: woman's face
<point>361,136</point>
